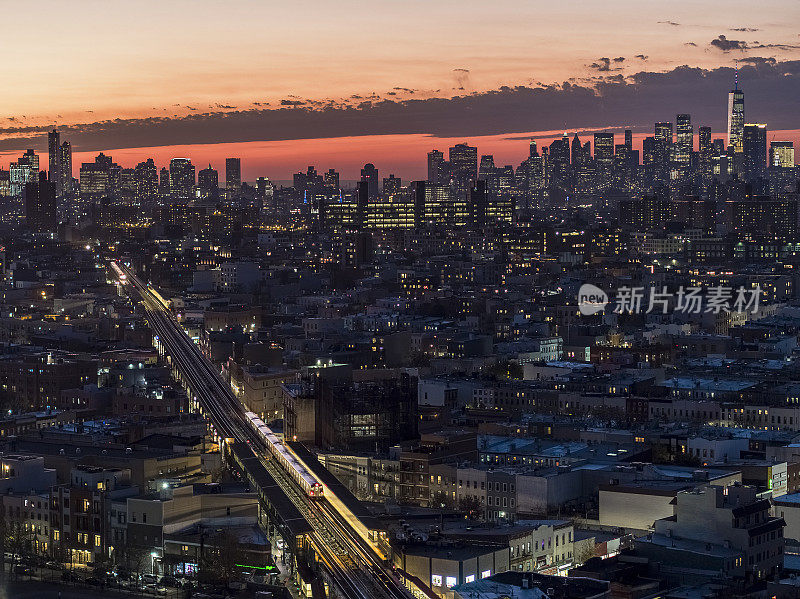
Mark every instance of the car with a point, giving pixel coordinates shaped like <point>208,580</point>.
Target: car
<point>24,571</point>
<point>169,581</point>
<point>156,589</point>
<point>68,576</point>
<point>149,578</point>
<point>93,580</point>
<point>54,565</point>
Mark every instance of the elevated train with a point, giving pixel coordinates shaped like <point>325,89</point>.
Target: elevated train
<point>310,485</point>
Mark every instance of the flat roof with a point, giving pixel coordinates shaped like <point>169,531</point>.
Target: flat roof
<point>343,494</point>
<point>274,494</point>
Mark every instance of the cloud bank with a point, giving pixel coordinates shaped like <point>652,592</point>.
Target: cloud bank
<point>604,99</point>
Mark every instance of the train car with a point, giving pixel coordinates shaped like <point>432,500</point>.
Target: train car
<point>278,451</point>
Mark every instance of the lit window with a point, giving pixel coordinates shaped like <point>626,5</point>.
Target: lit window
<point>436,580</point>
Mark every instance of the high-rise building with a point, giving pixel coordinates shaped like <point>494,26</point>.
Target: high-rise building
<point>438,171</point>
<point>436,204</point>
<point>54,160</point>
<point>486,168</point>
<point>576,151</point>
<point>781,154</point>
<point>99,179</point>
<point>705,153</point>
<point>463,160</point>
<point>392,185</point>
<point>65,167</point>
<point>331,179</point>
<point>685,140</point>
<point>604,146</point>
<point>233,174</point>
<point>208,183</point>
<point>146,174</point>
<point>628,139</point>
<point>163,183</point>
<point>40,204</point>
<point>754,148</point>
<point>369,175</point>
<point>736,117</point>
<point>265,190</point>
<point>663,132</point>
<point>24,170</point>
<point>182,178</point>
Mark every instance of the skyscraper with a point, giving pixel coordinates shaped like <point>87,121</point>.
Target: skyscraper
<point>163,183</point>
<point>146,175</point>
<point>463,168</point>
<point>208,183</point>
<point>233,174</point>
<point>40,204</point>
<point>705,153</point>
<point>392,185</point>
<point>437,168</point>
<point>604,147</point>
<point>54,160</point>
<point>663,132</point>
<point>754,147</point>
<point>486,168</point>
<point>629,139</point>
<point>65,168</point>
<point>182,178</point>
<point>781,154</point>
<point>331,179</point>
<point>369,175</point>
<point>685,140</point>
<point>736,117</point>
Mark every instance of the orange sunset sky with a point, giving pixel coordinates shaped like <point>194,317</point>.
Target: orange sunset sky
<point>337,84</point>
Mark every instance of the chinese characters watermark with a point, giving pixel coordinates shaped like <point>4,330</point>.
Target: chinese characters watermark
<point>659,300</point>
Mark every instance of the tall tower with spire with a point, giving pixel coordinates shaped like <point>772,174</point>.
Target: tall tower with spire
<point>736,116</point>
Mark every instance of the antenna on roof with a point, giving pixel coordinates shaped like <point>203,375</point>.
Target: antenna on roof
<point>736,77</point>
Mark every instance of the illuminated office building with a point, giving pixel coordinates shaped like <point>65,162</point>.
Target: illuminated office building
<point>181,178</point>
<point>233,174</point>
<point>736,118</point>
<point>781,154</point>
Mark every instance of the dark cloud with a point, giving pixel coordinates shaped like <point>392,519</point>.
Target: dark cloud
<point>602,64</point>
<point>726,45</point>
<point>672,23</point>
<point>759,60</point>
<point>292,102</point>
<point>226,106</point>
<point>745,29</point>
<point>642,56</point>
<point>609,99</point>
<point>692,44</point>
<point>757,46</point>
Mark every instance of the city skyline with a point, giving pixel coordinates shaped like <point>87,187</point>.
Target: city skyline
<point>403,71</point>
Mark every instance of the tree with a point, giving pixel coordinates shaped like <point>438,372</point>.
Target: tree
<point>132,558</point>
<point>440,500</point>
<point>471,506</point>
<point>219,559</point>
<point>584,551</point>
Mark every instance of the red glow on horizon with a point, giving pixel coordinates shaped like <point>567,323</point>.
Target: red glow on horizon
<point>401,155</point>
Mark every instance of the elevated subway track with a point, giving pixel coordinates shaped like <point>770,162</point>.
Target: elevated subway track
<point>351,564</point>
